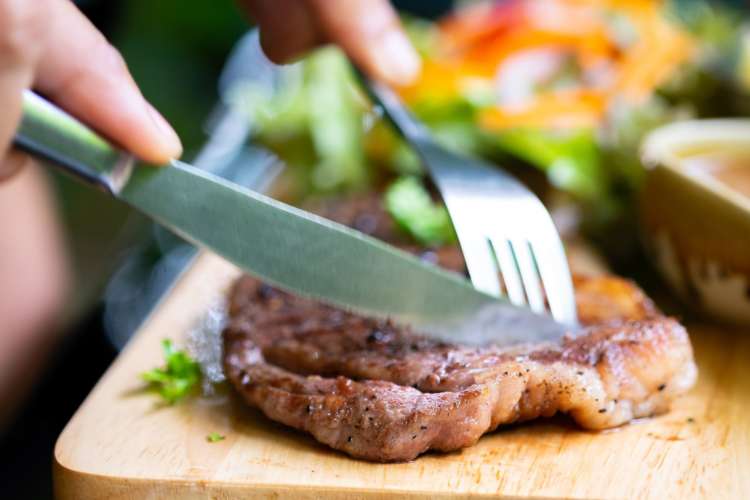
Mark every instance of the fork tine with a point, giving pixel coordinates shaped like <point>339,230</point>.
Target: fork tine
<point>555,274</point>
<point>509,271</point>
<point>529,276</point>
<point>475,193</point>
<point>479,260</point>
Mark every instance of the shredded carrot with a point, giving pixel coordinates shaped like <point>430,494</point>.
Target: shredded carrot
<point>582,108</point>
<point>438,81</point>
<point>484,60</point>
<point>660,50</point>
<point>477,40</point>
<point>477,23</point>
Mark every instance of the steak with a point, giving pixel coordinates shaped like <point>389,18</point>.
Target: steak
<point>382,392</point>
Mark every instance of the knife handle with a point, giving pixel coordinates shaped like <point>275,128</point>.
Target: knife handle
<point>51,134</point>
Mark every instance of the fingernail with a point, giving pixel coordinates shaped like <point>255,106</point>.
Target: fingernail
<point>396,58</point>
<point>171,142</point>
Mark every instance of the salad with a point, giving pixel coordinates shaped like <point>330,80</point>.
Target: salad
<point>561,90</point>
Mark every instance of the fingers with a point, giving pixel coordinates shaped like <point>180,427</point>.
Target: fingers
<point>82,73</point>
<point>368,30</point>
<point>371,34</point>
<point>12,82</point>
<point>18,32</point>
<point>287,28</point>
<point>13,163</point>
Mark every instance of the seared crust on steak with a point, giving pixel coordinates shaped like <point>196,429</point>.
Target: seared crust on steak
<point>380,392</point>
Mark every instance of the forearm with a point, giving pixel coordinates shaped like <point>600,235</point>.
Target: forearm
<point>34,283</point>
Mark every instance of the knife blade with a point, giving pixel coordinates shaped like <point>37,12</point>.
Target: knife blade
<point>141,281</point>
<point>283,245</point>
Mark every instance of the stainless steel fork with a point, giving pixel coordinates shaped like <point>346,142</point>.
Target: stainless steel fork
<point>504,230</point>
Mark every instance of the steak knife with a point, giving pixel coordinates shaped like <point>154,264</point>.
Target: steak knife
<point>295,250</point>
<point>140,282</point>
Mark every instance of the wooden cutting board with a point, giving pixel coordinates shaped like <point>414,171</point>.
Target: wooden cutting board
<point>122,444</point>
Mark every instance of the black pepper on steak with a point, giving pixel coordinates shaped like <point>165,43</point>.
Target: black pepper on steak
<point>381,392</point>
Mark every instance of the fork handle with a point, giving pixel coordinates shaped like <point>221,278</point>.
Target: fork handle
<point>393,109</point>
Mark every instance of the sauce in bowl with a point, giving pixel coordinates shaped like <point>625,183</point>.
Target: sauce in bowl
<point>731,169</point>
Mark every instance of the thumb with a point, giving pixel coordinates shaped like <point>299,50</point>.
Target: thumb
<point>369,31</point>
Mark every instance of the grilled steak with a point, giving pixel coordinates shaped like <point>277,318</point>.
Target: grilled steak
<point>381,392</point>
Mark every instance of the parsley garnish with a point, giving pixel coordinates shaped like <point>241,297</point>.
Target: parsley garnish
<point>178,378</point>
<point>215,437</point>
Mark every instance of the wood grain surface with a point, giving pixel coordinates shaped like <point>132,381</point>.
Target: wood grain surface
<point>122,444</point>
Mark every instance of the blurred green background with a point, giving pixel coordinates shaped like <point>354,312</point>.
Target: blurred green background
<point>175,50</point>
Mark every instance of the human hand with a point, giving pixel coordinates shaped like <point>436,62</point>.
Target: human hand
<point>48,45</point>
<point>367,30</point>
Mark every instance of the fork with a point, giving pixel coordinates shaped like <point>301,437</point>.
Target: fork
<point>503,229</point>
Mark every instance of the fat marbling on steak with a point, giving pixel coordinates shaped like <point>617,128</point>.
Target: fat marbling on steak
<point>381,392</point>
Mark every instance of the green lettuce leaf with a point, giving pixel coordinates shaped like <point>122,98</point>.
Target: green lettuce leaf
<point>571,159</point>
<point>411,206</point>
